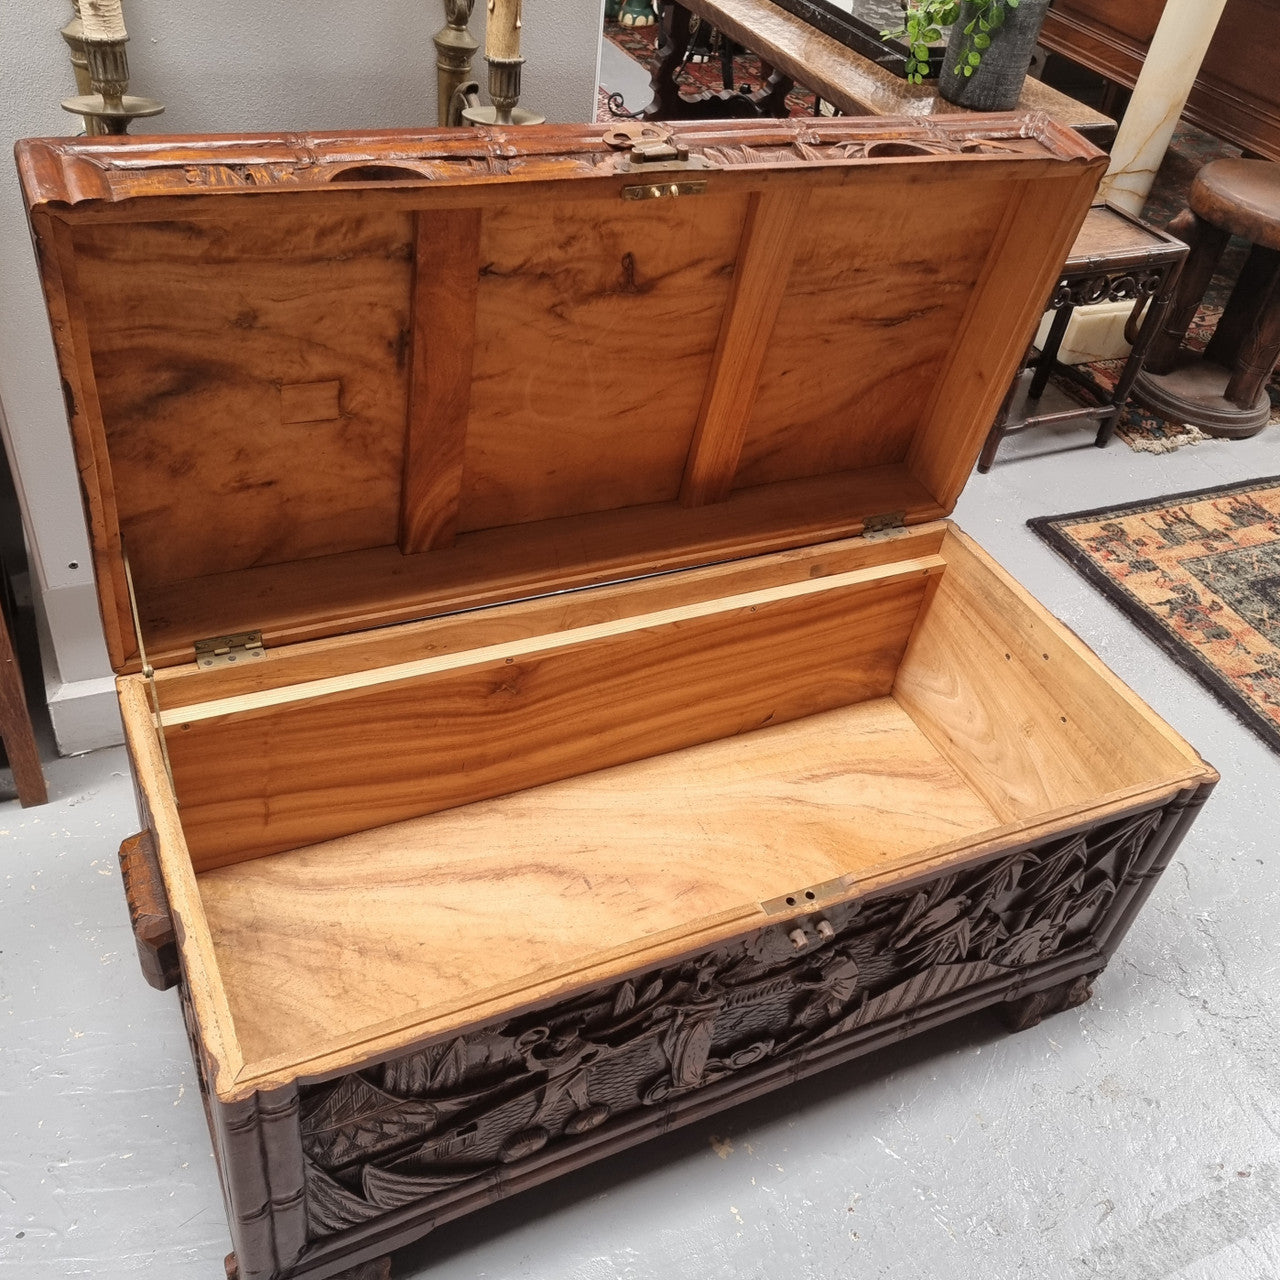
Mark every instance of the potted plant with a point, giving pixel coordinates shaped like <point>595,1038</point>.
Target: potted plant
<point>988,52</point>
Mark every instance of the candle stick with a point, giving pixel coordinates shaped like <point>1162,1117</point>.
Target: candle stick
<point>502,53</point>
<point>502,32</point>
<point>103,35</point>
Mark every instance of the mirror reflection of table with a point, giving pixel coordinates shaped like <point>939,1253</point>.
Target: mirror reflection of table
<point>797,52</point>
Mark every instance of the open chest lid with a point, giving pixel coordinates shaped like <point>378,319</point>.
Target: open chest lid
<point>319,383</point>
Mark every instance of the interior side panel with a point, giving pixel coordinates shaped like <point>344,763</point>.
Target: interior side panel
<point>253,377</point>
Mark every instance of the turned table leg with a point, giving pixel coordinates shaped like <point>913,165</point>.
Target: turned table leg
<point>674,34</point>
<point>1207,244</point>
<point>1255,331</point>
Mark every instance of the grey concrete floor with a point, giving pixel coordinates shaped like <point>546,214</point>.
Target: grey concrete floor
<point>1136,1137</point>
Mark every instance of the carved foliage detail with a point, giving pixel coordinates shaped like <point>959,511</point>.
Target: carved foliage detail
<point>466,1109</point>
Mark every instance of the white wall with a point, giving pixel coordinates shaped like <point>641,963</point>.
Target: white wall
<point>225,66</point>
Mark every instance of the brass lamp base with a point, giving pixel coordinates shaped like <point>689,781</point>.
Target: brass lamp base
<point>489,115</point>
<point>113,117</point>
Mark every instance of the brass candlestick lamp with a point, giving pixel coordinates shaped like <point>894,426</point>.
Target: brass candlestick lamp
<point>101,39</point>
<point>502,53</point>
<point>455,48</point>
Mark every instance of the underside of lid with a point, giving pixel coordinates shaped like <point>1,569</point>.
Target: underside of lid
<point>324,383</point>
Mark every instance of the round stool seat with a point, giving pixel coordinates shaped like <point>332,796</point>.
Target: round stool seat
<point>1242,197</point>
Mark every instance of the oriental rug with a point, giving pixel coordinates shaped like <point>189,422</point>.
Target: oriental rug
<point>1199,573</point>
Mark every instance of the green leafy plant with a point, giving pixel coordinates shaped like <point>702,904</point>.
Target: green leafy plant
<point>923,23</point>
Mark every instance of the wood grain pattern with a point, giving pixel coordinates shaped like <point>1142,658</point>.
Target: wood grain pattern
<point>481,724</point>
<point>358,590</point>
<point>864,327</point>
<point>193,330</point>
<point>417,916</point>
<point>1032,243</point>
<point>589,324</point>
<point>365,650</point>
<point>446,280</point>
<point>1024,711</point>
<point>60,275</point>
<point>760,282</point>
<point>218,1050</point>
<point>247,330</point>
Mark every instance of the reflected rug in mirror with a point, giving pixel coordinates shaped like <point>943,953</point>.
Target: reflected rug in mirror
<point>1199,573</point>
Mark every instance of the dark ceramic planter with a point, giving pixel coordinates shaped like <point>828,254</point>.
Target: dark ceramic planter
<point>996,83</point>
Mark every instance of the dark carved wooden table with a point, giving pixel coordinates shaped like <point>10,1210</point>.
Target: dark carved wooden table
<point>1115,258</point>
<point>798,53</point>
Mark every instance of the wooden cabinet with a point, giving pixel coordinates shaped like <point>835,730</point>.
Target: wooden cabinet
<point>1237,94</point>
<point>559,705</point>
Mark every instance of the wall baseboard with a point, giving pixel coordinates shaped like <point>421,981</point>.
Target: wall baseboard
<point>85,715</point>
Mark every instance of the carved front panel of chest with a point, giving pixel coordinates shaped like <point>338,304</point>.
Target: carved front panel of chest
<point>465,1113</point>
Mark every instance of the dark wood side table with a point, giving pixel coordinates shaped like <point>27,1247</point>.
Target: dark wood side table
<point>799,53</point>
<point>1115,258</point>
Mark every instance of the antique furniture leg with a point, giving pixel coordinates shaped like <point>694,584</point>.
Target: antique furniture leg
<point>727,50</point>
<point>674,33</point>
<point>772,98</point>
<point>1049,356</point>
<point>669,104</point>
<point>1115,258</point>
<point>15,728</point>
<point>1027,1011</point>
<point>1224,391</point>
<point>1139,344</point>
<point>1207,245</point>
<point>998,428</point>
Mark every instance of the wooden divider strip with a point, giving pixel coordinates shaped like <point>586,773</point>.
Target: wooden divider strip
<point>446,280</point>
<point>767,248</point>
<point>242,704</point>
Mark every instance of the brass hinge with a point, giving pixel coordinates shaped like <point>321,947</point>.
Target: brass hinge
<point>222,651</point>
<point>885,521</point>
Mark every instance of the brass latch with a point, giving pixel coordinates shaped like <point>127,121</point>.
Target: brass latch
<point>659,189</point>
<point>811,897</point>
<point>650,149</point>
<point>222,651</point>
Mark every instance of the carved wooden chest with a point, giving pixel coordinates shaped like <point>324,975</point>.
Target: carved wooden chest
<point>558,707</point>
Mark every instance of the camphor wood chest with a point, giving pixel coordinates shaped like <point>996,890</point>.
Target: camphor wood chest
<point>558,707</point>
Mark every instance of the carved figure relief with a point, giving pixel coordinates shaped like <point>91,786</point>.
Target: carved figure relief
<point>464,1109</point>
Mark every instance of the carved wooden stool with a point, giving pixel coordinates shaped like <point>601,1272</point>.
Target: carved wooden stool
<point>1224,392</point>
<point>1116,258</point>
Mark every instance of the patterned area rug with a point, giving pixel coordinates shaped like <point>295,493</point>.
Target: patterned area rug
<point>1200,573</point>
